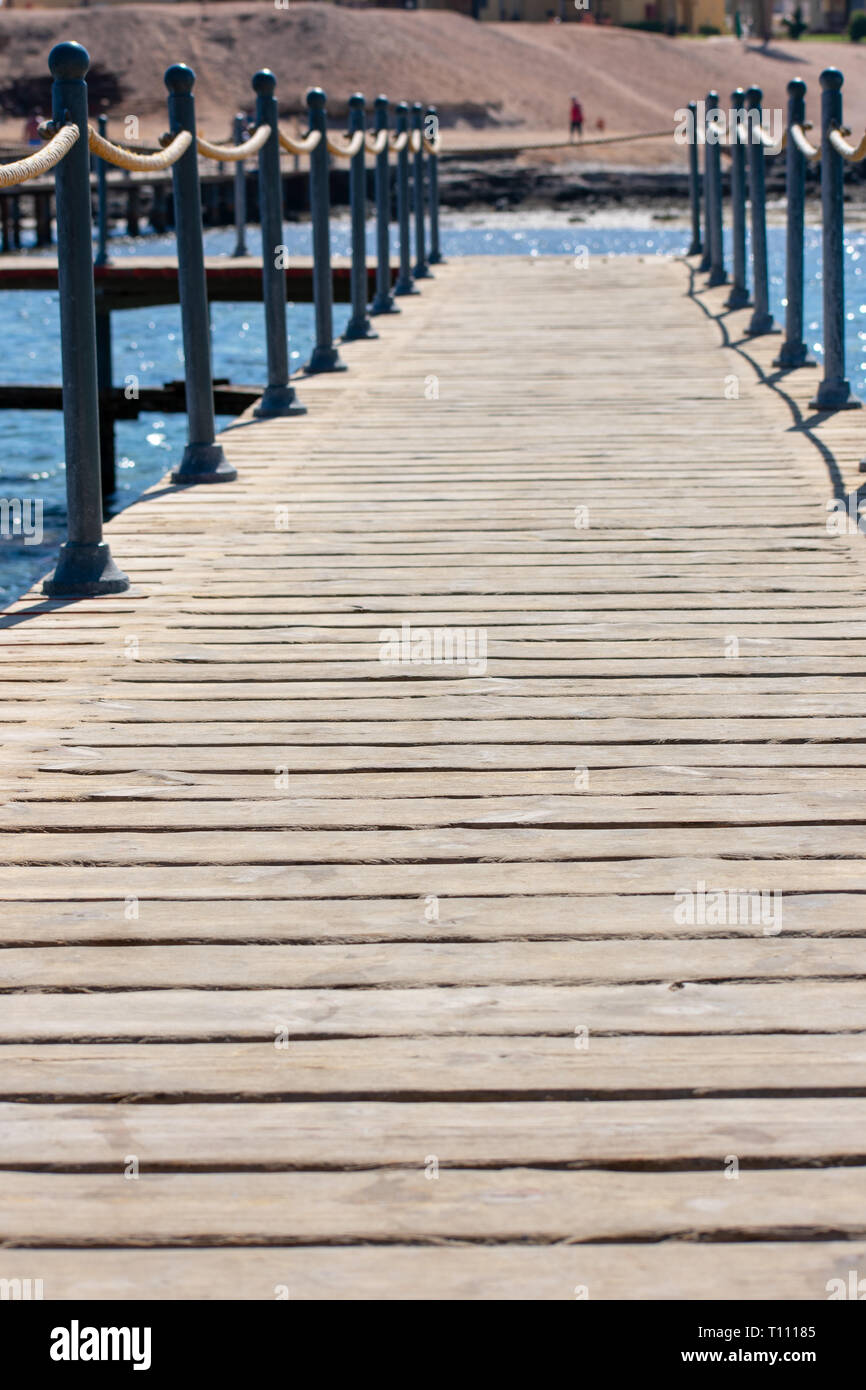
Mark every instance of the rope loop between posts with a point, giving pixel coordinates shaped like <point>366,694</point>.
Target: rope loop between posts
<point>378,144</point>
<point>306,145</point>
<point>853,153</point>
<point>233,154</point>
<point>433,146</point>
<point>128,159</point>
<point>772,147</point>
<point>59,145</point>
<point>415,141</point>
<point>400,141</point>
<point>346,151</point>
<point>808,150</point>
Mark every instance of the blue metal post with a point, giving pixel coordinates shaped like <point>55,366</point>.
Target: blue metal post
<point>84,565</point>
<point>102,202</point>
<point>761,320</point>
<point>718,275</point>
<point>404,283</point>
<point>384,301</point>
<point>325,357</point>
<point>431,130</point>
<point>702,123</point>
<point>359,325</point>
<point>422,270</point>
<point>203,460</point>
<point>794,352</point>
<point>694,182</point>
<point>239,128</point>
<point>834,393</point>
<point>279,397</point>
<point>739,296</point>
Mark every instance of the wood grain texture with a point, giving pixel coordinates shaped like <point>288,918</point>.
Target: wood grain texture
<point>290,914</point>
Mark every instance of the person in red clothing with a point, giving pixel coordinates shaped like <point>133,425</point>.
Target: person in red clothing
<point>576,118</point>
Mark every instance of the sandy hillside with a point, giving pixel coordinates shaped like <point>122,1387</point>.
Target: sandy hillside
<point>512,76</point>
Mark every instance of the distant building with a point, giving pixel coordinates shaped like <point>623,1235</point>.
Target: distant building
<point>683,16</point>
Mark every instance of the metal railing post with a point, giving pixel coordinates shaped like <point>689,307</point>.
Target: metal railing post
<point>325,357</point>
<point>739,296</point>
<point>404,283</point>
<point>84,565</point>
<point>834,392</point>
<point>705,258</point>
<point>794,352</point>
<point>422,270</point>
<point>102,202</point>
<point>694,182</point>
<point>203,460</point>
<point>359,325</point>
<point>718,275</point>
<point>384,300</point>
<point>431,124</point>
<point>239,126</point>
<point>279,397</point>
<point>761,320</point>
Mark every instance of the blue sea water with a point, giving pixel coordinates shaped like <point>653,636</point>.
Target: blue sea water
<point>147,343</point>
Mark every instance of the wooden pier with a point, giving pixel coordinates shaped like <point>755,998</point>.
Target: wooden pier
<point>335,977</point>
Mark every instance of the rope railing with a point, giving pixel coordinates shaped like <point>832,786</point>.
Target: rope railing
<point>306,145</point>
<point>230,154</point>
<point>376,144</point>
<point>804,145</point>
<point>347,151</point>
<point>829,158</point>
<point>85,565</point>
<point>853,154</point>
<point>123,158</point>
<point>41,161</point>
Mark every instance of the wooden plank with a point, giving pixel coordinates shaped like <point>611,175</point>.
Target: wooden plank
<point>499,917</point>
<point>795,1006</point>
<point>365,1133</point>
<point>479,1067</point>
<point>296,966</point>
<point>399,1205</point>
<point>760,1270</point>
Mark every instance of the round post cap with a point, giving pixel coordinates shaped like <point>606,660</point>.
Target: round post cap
<point>68,61</point>
<point>316,99</point>
<point>831,79</point>
<point>179,79</point>
<point>754,97</point>
<point>796,87</point>
<point>264,83</point>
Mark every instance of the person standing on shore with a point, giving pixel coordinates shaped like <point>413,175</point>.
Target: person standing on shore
<point>576,118</point>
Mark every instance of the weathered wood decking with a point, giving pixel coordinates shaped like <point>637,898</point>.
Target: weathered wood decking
<point>286,925</point>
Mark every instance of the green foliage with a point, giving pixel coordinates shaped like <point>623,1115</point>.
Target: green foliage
<point>857,26</point>
<point>795,26</point>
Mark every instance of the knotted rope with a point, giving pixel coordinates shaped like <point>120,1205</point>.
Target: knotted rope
<point>20,170</point>
<point>128,159</point>
<point>850,152</point>
<point>233,154</point>
<point>303,146</point>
